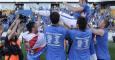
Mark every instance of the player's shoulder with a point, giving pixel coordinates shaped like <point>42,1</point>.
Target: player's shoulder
<point>62,27</point>
<point>40,34</point>
<point>72,30</point>
<point>88,31</point>
<point>48,26</point>
<point>25,34</point>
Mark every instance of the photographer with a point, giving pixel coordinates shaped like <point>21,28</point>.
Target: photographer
<point>12,49</point>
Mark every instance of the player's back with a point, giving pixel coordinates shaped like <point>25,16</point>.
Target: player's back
<point>55,36</point>
<point>102,46</point>
<point>80,49</point>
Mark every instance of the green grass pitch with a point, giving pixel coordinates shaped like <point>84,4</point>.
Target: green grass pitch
<point>111,50</point>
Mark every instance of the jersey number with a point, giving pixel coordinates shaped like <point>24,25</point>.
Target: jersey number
<point>53,39</point>
<point>82,43</point>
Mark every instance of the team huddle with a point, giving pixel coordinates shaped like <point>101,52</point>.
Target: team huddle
<point>67,37</point>
<point>82,37</point>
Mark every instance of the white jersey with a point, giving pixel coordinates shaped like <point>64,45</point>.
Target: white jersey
<point>35,41</point>
<point>67,19</point>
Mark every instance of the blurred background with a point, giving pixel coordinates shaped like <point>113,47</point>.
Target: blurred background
<point>29,8</point>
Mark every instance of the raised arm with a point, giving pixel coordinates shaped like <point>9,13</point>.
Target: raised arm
<point>14,29</point>
<point>38,20</point>
<point>13,24</point>
<point>92,50</point>
<point>97,31</point>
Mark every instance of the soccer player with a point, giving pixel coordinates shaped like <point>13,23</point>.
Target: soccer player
<point>82,10</point>
<point>82,47</point>
<point>34,41</point>
<point>101,33</point>
<point>11,43</point>
<point>55,35</point>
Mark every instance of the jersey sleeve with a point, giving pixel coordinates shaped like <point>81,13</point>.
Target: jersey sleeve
<point>87,8</point>
<point>67,35</point>
<point>45,29</point>
<point>92,48</point>
<point>69,41</point>
<point>70,34</point>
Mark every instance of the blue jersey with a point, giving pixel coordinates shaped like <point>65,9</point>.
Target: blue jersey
<point>76,14</point>
<point>55,36</point>
<point>86,10</point>
<point>82,46</point>
<point>102,46</point>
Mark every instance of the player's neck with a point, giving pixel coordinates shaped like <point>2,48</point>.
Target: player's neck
<point>55,24</point>
<point>33,32</point>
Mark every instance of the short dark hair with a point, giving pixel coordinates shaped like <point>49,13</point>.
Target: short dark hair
<point>54,17</point>
<point>29,26</point>
<point>82,23</point>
